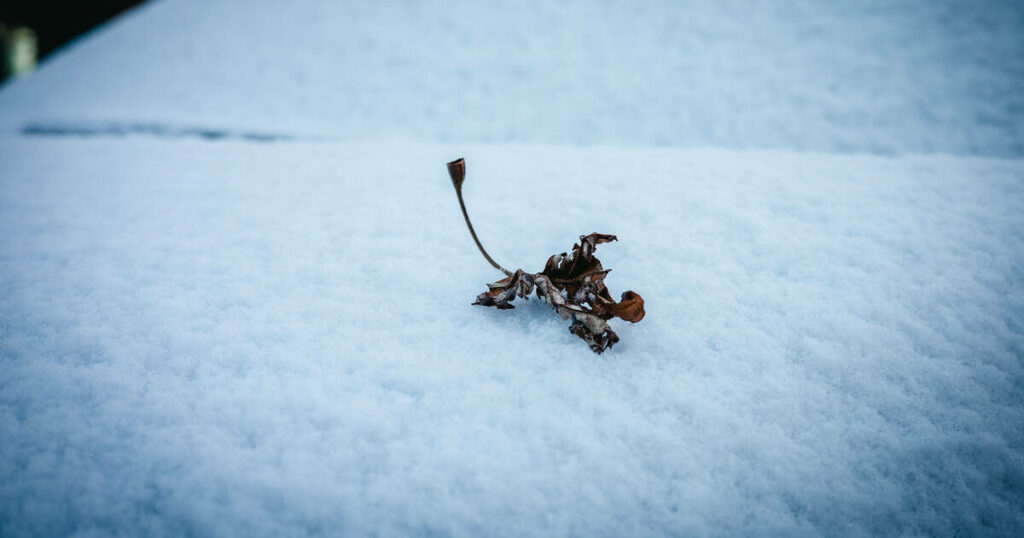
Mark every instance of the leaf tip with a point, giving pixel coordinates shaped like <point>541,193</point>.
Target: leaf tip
<point>630,307</point>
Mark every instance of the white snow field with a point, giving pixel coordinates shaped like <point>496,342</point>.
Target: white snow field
<point>883,76</point>
<point>235,283</point>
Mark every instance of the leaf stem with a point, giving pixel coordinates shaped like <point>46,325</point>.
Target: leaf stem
<point>457,171</point>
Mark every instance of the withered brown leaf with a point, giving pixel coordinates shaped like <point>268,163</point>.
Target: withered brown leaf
<point>573,284</point>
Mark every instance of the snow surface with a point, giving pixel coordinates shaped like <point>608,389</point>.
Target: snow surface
<point>235,282</point>
<point>882,76</point>
<point>222,338</point>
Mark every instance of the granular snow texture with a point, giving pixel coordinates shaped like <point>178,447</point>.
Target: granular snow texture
<point>235,283</point>
<point>202,338</point>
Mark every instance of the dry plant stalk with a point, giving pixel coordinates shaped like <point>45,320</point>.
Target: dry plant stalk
<point>572,283</point>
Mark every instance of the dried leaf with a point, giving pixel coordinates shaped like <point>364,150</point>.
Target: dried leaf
<point>573,284</point>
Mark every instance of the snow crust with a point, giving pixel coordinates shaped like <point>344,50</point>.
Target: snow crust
<point>235,281</point>
<point>878,76</point>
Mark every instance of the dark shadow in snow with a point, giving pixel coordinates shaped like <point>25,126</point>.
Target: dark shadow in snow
<point>148,129</point>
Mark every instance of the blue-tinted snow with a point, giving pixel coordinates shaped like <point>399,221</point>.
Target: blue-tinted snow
<point>878,76</point>
<point>231,338</point>
<point>235,283</point>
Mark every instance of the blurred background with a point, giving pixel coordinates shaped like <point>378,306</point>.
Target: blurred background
<point>872,76</point>
<point>31,30</point>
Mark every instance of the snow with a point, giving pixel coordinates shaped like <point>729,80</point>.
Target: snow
<point>200,337</point>
<point>878,76</point>
<point>235,281</point>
